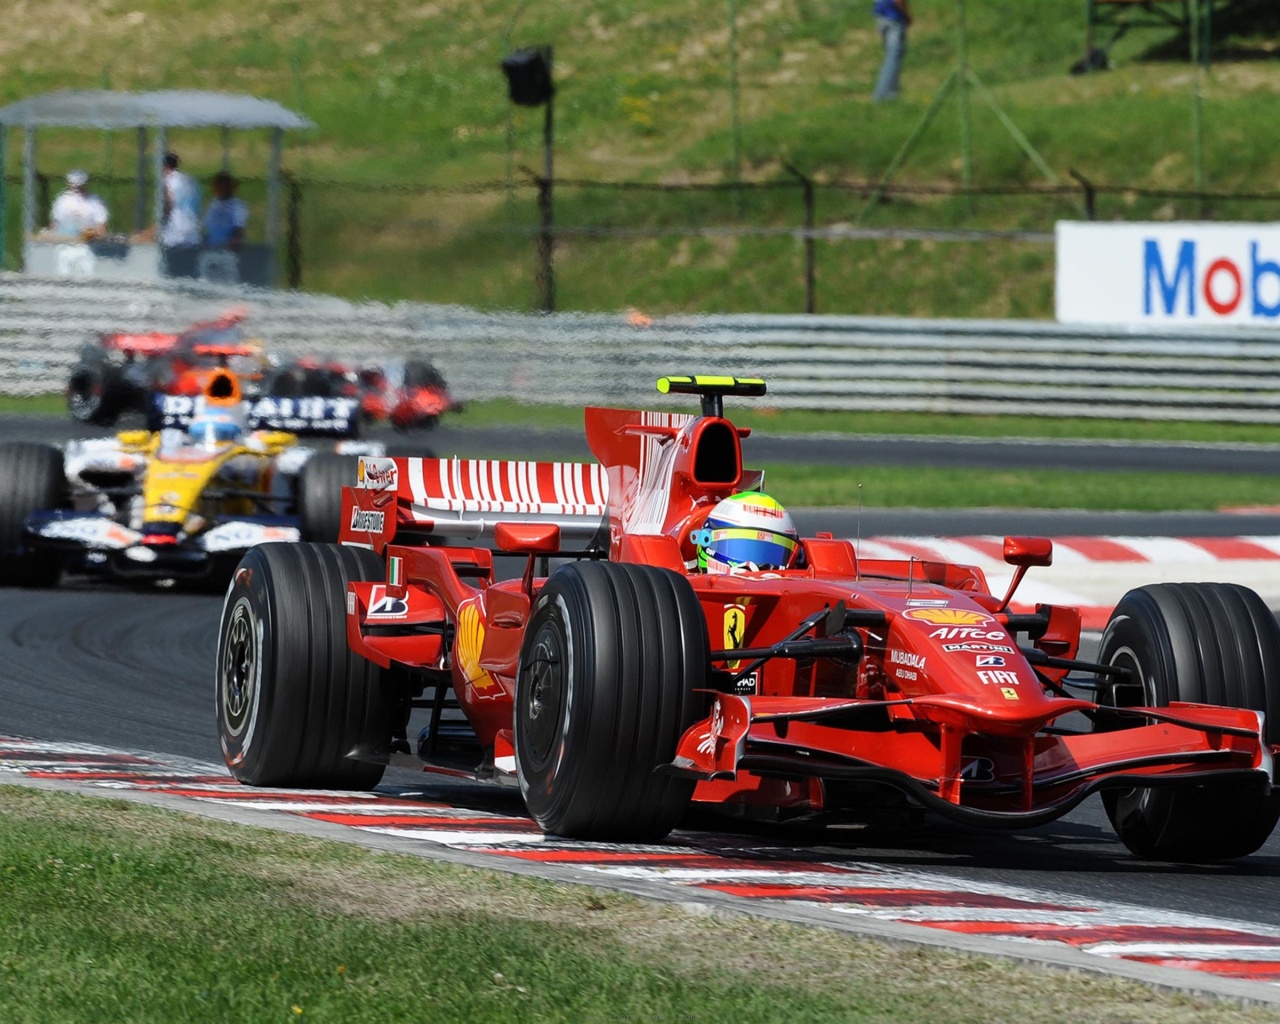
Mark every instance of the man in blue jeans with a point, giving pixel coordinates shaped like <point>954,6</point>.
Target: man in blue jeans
<point>892,18</point>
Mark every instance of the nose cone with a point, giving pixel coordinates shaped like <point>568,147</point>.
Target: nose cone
<point>964,652</point>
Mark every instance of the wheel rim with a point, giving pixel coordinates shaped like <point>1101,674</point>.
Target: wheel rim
<point>1137,798</point>
<point>239,671</point>
<point>543,697</point>
<point>1126,657</point>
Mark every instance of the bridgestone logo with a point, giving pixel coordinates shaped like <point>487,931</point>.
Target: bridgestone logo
<point>366,522</point>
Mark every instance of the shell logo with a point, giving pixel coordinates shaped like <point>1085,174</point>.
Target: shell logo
<point>949,616</point>
<point>470,638</point>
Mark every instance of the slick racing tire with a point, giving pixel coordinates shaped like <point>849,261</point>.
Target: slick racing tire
<point>293,699</point>
<point>1211,643</point>
<point>320,486</point>
<point>604,690</point>
<point>95,394</point>
<point>34,480</point>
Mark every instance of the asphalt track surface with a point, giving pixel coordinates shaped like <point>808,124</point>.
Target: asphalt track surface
<point>98,663</point>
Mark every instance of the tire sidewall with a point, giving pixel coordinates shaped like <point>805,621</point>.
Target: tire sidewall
<point>244,719</point>
<point>1128,641</point>
<point>541,778</point>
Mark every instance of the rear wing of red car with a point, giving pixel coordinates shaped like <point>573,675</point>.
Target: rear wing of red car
<point>467,498</point>
<point>150,344</point>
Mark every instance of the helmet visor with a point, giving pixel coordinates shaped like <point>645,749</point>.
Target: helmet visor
<point>760,549</point>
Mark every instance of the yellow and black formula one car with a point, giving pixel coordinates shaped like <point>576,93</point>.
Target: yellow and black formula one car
<point>182,502</point>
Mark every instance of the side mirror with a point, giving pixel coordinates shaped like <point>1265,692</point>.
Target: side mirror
<point>533,539</point>
<point>1025,552</point>
<point>527,538</point>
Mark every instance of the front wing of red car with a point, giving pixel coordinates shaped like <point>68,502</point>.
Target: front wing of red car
<point>933,749</point>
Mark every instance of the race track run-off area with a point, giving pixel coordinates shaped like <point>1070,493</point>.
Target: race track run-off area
<point>816,884</point>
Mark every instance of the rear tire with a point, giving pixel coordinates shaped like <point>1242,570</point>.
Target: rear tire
<point>1211,643</point>
<point>34,480</point>
<point>604,691</point>
<point>320,486</point>
<point>95,394</point>
<point>293,699</point>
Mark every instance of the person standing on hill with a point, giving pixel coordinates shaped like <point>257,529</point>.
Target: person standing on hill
<point>893,17</point>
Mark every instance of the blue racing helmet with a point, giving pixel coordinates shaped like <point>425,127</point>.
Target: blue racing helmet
<point>749,531</point>
<point>211,425</point>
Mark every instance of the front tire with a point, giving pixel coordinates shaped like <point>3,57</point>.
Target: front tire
<point>34,480</point>
<point>1212,643</point>
<point>293,699</point>
<point>604,691</point>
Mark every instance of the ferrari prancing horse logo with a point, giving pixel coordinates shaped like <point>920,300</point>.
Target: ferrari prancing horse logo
<point>735,629</point>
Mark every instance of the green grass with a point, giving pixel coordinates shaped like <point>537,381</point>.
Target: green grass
<point>936,487</point>
<point>115,912</point>
<point>940,487</point>
<point>411,95</point>
<point>33,405</point>
<point>498,412</point>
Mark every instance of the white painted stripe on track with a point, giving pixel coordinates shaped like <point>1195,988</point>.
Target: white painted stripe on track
<point>1169,549</point>
<point>843,878</point>
<point>1066,919</point>
<point>1187,951</point>
<point>470,839</point>
<point>1065,553</point>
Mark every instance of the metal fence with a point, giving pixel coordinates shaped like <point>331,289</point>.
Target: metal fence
<point>817,362</point>
<point>795,244</point>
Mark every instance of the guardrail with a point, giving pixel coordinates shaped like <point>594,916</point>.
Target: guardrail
<point>819,362</point>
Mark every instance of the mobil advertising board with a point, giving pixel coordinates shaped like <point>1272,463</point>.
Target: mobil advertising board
<point>1191,274</point>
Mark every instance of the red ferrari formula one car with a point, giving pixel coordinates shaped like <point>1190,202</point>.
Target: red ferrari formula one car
<point>119,373</point>
<point>691,651</point>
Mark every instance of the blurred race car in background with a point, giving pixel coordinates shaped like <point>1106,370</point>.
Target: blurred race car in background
<point>407,393</point>
<point>184,501</point>
<point>121,373</point>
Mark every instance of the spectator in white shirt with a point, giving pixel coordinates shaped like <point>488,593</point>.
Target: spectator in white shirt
<point>226,217</point>
<point>181,222</point>
<point>77,213</point>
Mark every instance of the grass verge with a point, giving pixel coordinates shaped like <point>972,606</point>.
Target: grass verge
<point>110,911</point>
<point>33,405</point>
<point>934,487</point>
<point>500,412</point>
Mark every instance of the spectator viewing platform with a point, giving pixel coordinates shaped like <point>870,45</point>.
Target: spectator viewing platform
<point>144,252</point>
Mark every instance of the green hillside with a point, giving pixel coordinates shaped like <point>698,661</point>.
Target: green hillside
<point>408,96</point>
